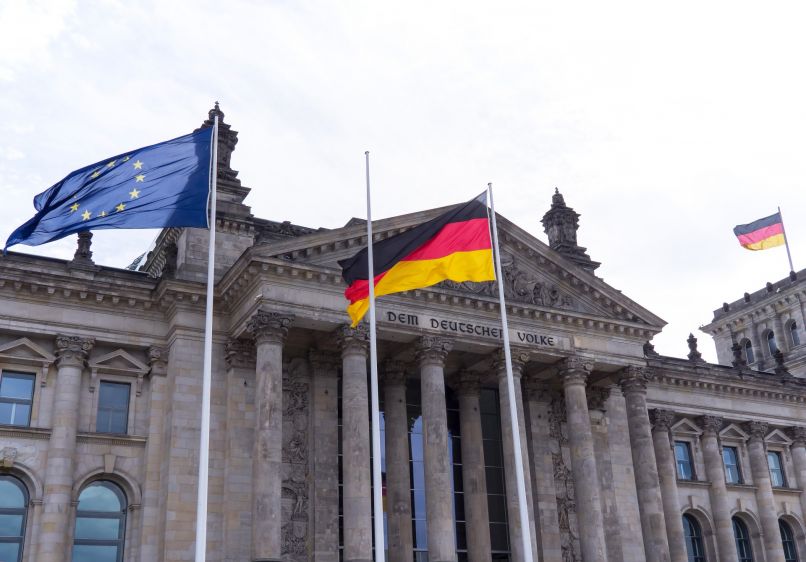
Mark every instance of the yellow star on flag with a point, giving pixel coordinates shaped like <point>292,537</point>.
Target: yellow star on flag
<point>138,165</point>
<point>120,207</point>
<point>140,177</point>
<point>86,215</point>
<point>111,164</point>
<point>126,158</point>
<point>134,193</point>
<point>74,207</point>
<point>96,173</point>
<point>102,214</point>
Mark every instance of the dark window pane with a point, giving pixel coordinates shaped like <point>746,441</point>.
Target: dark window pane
<point>9,551</point>
<point>682,453</point>
<point>113,408</point>
<point>98,497</point>
<point>459,506</point>
<point>495,482</point>
<point>94,553</point>
<point>499,539</point>
<point>457,478</point>
<point>6,412</point>
<point>420,534</point>
<point>461,539</point>
<point>497,508</point>
<point>492,453</point>
<point>97,528</point>
<point>17,385</point>
<point>10,526</point>
<point>11,495</point>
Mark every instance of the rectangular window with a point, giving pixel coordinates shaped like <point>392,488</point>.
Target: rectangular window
<point>16,398</point>
<point>682,453</point>
<point>776,469</point>
<point>113,408</point>
<point>733,474</point>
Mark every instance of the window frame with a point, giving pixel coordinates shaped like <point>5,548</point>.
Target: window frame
<point>747,345</point>
<point>120,542</point>
<point>793,332</point>
<point>785,528</point>
<point>129,405</point>
<point>772,343</point>
<point>26,501</point>
<point>780,456</point>
<point>5,372</point>
<point>690,454</point>
<point>738,465</point>
<point>741,526</point>
<point>690,522</point>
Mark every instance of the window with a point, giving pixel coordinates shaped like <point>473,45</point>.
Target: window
<point>788,542</point>
<point>794,336</point>
<point>771,342</point>
<point>113,408</point>
<point>776,469</point>
<point>13,511</point>
<point>733,474</point>
<point>749,356</point>
<point>100,523</point>
<point>742,537</point>
<point>694,545</point>
<point>16,397</point>
<point>682,453</point>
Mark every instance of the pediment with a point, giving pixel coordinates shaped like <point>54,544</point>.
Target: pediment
<point>733,432</point>
<point>534,275</point>
<point>25,351</point>
<point>686,427</point>
<point>778,437</point>
<point>119,362</point>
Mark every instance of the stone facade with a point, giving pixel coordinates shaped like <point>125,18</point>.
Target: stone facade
<point>600,415</point>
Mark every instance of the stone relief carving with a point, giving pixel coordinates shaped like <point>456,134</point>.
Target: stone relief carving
<point>295,496</point>
<point>519,286</point>
<point>563,481</point>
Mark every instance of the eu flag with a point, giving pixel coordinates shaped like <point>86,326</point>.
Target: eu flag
<point>162,185</point>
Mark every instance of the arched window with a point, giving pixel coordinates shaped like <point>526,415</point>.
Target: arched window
<point>773,347</point>
<point>694,545</point>
<point>742,537</point>
<point>13,511</point>
<point>788,541</point>
<point>794,336</point>
<point>100,523</point>
<point>749,356</point>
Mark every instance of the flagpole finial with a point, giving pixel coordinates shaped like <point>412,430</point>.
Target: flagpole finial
<point>366,153</point>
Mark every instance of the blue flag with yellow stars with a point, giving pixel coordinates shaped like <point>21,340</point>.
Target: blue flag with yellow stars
<point>162,185</point>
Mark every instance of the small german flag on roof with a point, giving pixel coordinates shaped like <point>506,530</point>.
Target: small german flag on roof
<point>761,234</point>
<point>455,245</point>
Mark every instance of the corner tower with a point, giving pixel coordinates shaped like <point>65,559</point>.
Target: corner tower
<point>561,223</point>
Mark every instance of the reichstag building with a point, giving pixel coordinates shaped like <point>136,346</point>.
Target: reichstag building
<point>629,455</point>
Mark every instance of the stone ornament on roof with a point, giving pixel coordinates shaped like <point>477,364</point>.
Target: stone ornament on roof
<point>561,224</point>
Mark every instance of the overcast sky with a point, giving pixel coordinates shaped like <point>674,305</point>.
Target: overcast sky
<point>663,125</point>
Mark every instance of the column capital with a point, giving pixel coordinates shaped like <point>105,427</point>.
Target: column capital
<point>757,430</point>
<point>324,360</point>
<point>575,370</point>
<point>662,420</point>
<point>466,383</point>
<point>239,353</point>
<point>433,350</point>
<point>353,341</point>
<point>634,378</point>
<point>520,357</point>
<point>267,326</point>
<point>393,372</point>
<point>597,396</point>
<point>711,424</point>
<point>73,350</point>
<point>158,360</point>
<point>798,435</point>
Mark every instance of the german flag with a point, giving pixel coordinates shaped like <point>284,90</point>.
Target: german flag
<point>455,245</point>
<point>761,234</point>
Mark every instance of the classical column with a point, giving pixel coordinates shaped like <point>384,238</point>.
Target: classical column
<point>431,354</point>
<point>519,360</point>
<point>715,471</point>
<point>325,406</point>
<point>798,435</point>
<point>548,538</point>
<point>574,373</point>
<point>474,477</point>
<point>398,484</point>
<point>355,445</point>
<point>667,474</point>
<point>269,330</point>
<point>54,542</point>
<point>153,528</point>
<point>633,381</point>
<point>764,498</point>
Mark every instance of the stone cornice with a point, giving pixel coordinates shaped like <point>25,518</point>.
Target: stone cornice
<point>38,433</point>
<point>111,439</point>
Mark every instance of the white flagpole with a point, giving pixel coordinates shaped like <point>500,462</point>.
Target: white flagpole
<point>204,440</point>
<point>513,410</point>
<point>786,240</point>
<point>377,488</point>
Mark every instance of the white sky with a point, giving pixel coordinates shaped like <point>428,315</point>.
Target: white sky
<point>663,125</point>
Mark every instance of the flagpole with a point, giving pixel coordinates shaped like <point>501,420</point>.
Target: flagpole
<point>786,241</point>
<point>204,440</point>
<point>377,488</point>
<point>513,409</point>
